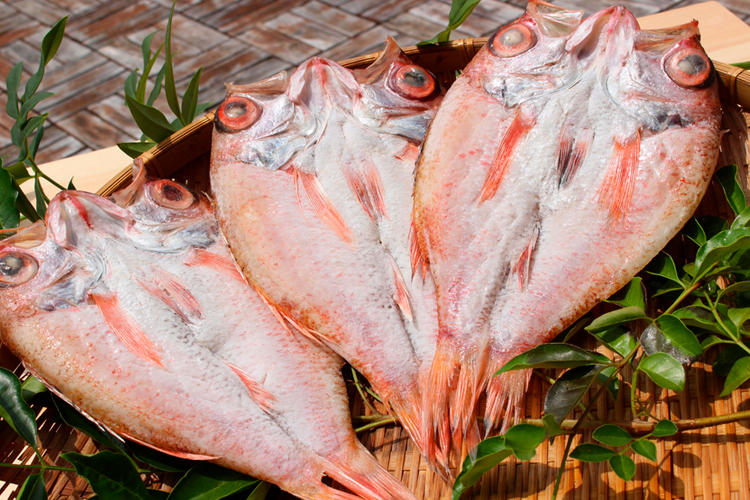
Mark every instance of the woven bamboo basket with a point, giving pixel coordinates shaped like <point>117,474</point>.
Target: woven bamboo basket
<point>703,463</point>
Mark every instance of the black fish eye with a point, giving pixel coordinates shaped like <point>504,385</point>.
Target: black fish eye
<point>17,268</point>
<point>171,193</point>
<point>692,64</point>
<point>235,109</point>
<point>10,265</point>
<point>415,78</point>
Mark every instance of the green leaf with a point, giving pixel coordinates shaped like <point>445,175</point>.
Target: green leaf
<point>141,92</point>
<point>146,48</point>
<point>28,105</point>
<point>31,387</point>
<point>713,225</point>
<point>552,425</point>
<point>169,85</point>
<point>150,120</point>
<point>260,491</point>
<point>14,410</point>
<point>743,65</point>
<point>460,10</point>
<point>41,198</point>
<point>663,265</point>
<point>131,84</point>
<point>551,356</point>
<point>568,390</point>
<point>523,439</point>
<point>617,339</point>
<point>207,481</point>
<point>631,295</point>
<point>623,466</point>
<point>190,99</point>
<point>742,219</point>
<point>739,316</point>
<point>694,231</point>
<point>614,385</point>
<point>726,359</point>
<point>12,82</point>
<point>159,460</point>
<point>679,335</point>
<point>738,374</point>
<point>202,107</point>
<point>74,419</point>
<point>727,177</point>
<point>645,449</point>
<point>697,316</point>
<point>9,215</point>
<point>588,452</point>
<point>742,286</point>
<point>719,247</point>
<point>111,475</point>
<point>156,90</point>
<point>489,453</point>
<point>664,428</point>
<point>612,435</point>
<point>711,341</point>
<point>33,488</point>
<point>664,370</point>
<point>614,318</point>
<point>50,44</point>
<point>135,149</point>
<point>34,147</point>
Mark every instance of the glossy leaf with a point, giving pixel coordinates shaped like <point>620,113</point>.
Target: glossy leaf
<point>460,10</point>
<point>623,466</point>
<point>28,105</point>
<point>739,316</point>
<point>131,84</point>
<point>664,370</point>
<point>711,341</point>
<point>679,335</point>
<point>742,219</point>
<point>111,475</point>
<point>645,449</point>
<point>260,491</point>
<point>727,177</point>
<point>742,286</point>
<point>694,231</point>
<point>207,481</point>
<point>33,488</point>
<point>713,225</point>
<point>552,425</point>
<point>9,216</point>
<point>719,247</point>
<point>612,435</point>
<point>589,452</point>
<point>552,356</point>
<point>41,199</point>
<point>738,374</point>
<point>615,318</point>
<point>31,387</point>
<point>614,385</point>
<point>159,460</point>
<point>36,141</point>
<point>617,339</point>
<point>50,43</point>
<point>14,410</point>
<point>523,439</point>
<point>74,419</point>
<point>135,149</point>
<point>568,390</point>
<point>631,295</point>
<point>664,428</point>
<point>150,120</point>
<point>190,98</point>
<point>663,265</point>
<point>12,82</point>
<point>726,359</point>
<point>489,453</point>
<point>24,205</point>
<point>156,90</point>
<point>699,317</point>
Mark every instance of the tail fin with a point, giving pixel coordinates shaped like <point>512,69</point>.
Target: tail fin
<point>363,475</point>
<point>406,403</point>
<point>505,395</point>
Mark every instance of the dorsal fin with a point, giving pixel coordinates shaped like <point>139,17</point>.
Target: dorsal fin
<point>571,151</point>
<point>367,188</point>
<point>322,205</point>
<point>523,264</point>
<point>615,194</point>
<point>223,264</point>
<point>125,327</point>
<point>401,297</point>
<point>258,394</point>
<point>170,290</point>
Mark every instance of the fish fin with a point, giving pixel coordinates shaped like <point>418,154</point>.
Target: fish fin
<point>126,196</point>
<point>368,190</point>
<point>223,264</point>
<point>571,151</point>
<point>522,267</point>
<point>169,451</point>
<point>322,205</point>
<point>514,135</point>
<point>406,404</point>
<point>401,297</point>
<point>262,397</point>
<point>417,257</point>
<point>125,328</point>
<point>616,191</point>
<point>286,321</point>
<point>361,473</point>
<point>170,290</point>
<point>409,153</point>
<point>505,394</point>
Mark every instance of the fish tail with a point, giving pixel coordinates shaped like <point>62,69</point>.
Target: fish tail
<point>505,394</point>
<point>406,404</point>
<point>364,476</point>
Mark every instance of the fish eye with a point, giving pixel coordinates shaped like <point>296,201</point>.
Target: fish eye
<point>689,67</point>
<point>512,40</point>
<point>237,113</point>
<point>17,268</point>
<point>413,82</point>
<point>169,194</point>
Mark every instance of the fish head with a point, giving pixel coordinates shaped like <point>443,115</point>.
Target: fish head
<point>397,96</point>
<point>527,58</point>
<point>260,124</point>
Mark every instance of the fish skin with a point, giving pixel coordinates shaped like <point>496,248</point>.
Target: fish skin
<point>323,232</point>
<point>521,251</point>
<point>94,249</point>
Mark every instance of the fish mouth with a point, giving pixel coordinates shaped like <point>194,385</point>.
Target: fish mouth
<point>606,33</point>
<point>72,215</point>
<point>320,82</point>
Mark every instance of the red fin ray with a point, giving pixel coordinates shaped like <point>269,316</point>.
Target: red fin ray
<point>571,151</point>
<point>515,134</point>
<point>401,297</point>
<point>616,191</point>
<point>368,190</point>
<point>505,394</point>
<point>170,290</point>
<point>126,328</point>
<point>322,205</point>
<point>223,264</point>
<point>168,451</point>
<point>522,267</point>
<point>417,258</point>
<point>262,397</point>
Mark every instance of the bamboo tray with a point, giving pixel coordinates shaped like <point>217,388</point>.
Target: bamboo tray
<point>697,464</point>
